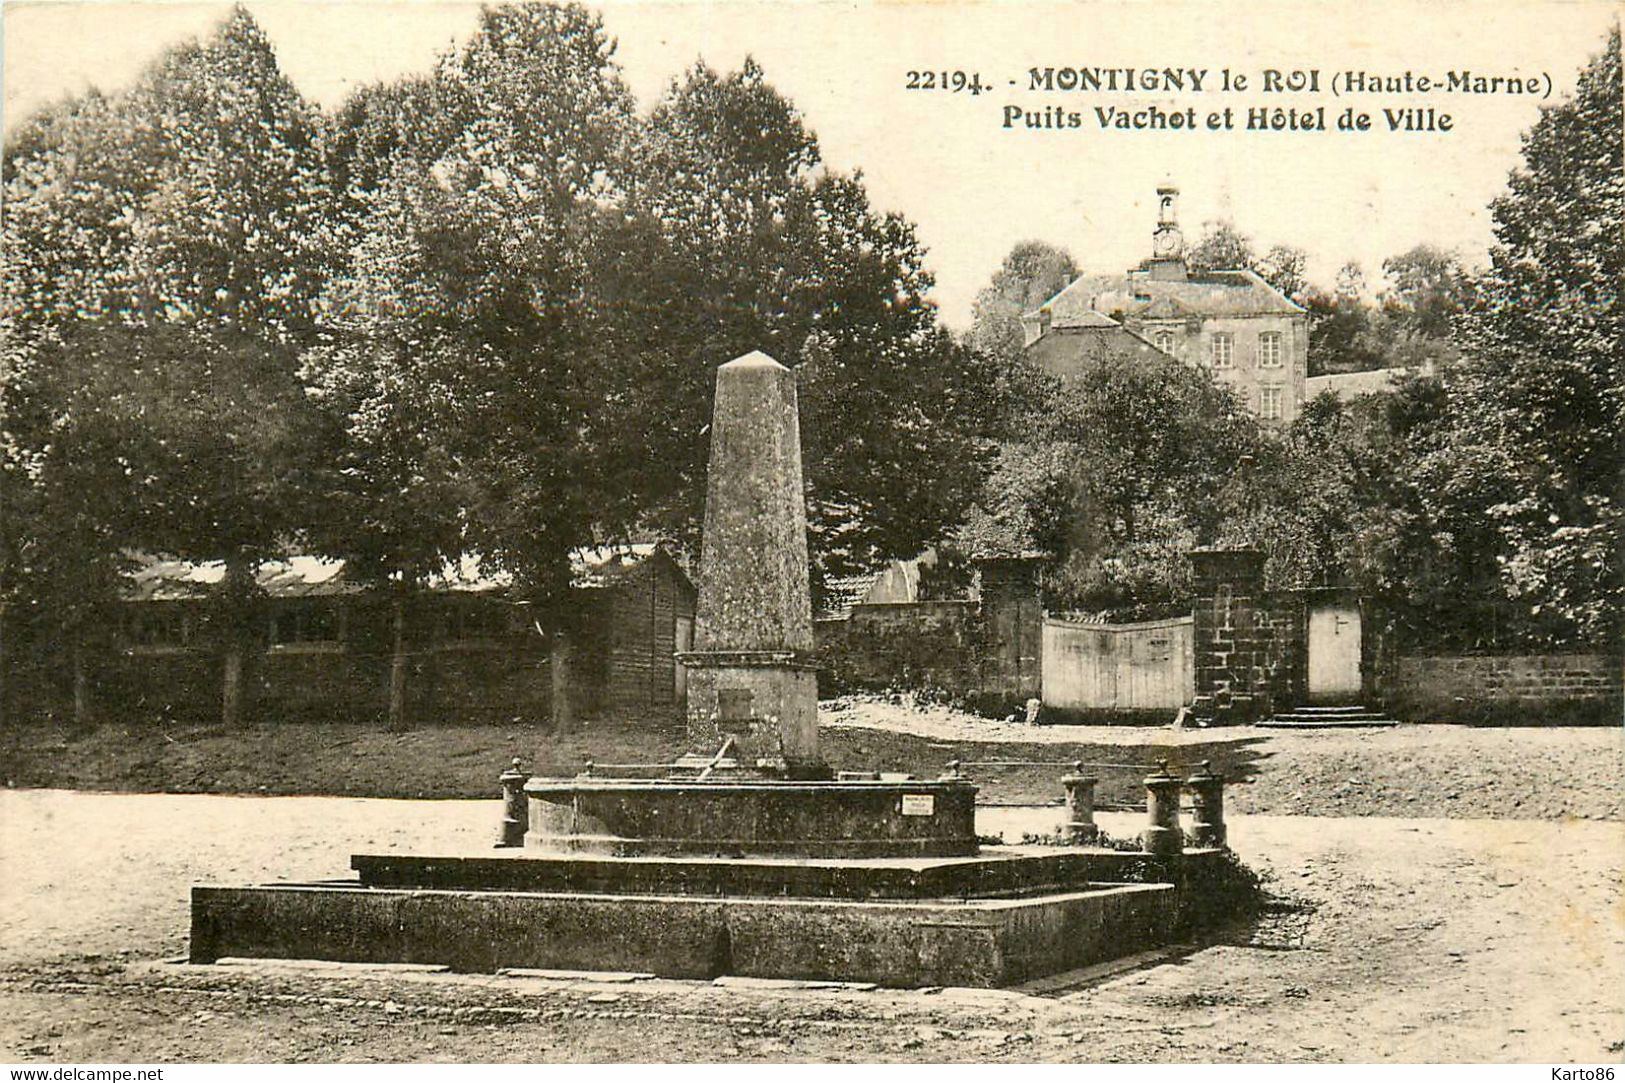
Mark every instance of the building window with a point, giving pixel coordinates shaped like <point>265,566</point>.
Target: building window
<point>1224,350</point>
<point>477,620</point>
<point>1269,403</point>
<point>1165,341</point>
<point>1269,350</point>
<point>306,626</point>
<point>158,627</point>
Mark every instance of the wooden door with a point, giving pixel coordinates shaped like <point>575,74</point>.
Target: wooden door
<point>1334,654</point>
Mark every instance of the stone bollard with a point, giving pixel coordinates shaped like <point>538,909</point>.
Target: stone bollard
<point>1207,806</point>
<point>1162,836</point>
<point>1079,828</point>
<point>515,809</point>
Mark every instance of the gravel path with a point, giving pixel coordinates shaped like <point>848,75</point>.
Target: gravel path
<point>1410,771</point>
<point>1415,940</point>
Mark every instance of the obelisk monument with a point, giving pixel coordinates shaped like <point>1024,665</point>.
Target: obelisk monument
<point>750,674</point>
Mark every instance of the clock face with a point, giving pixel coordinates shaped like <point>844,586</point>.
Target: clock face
<point>1165,242</point>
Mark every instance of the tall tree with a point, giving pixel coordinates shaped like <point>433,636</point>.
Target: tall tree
<point>1539,403</point>
<point>1032,273</point>
<point>752,246</point>
<point>464,363</point>
<point>191,201</point>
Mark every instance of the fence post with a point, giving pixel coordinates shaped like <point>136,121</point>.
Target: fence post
<point>1162,836</point>
<point>515,810</point>
<point>1207,806</point>
<point>1079,828</point>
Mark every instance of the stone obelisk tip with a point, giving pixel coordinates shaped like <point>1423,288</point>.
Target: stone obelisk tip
<point>754,359</point>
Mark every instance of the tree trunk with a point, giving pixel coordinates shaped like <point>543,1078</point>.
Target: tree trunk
<point>558,665</point>
<point>81,688</point>
<point>231,683</point>
<point>397,671</point>
<point>239,591</point>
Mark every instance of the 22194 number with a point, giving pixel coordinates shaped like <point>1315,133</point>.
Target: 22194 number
<point>956,82</point>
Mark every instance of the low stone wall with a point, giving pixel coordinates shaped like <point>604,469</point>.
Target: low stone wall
<point>1520,689</point>
<point>945,646</point>
<point>901,644</point>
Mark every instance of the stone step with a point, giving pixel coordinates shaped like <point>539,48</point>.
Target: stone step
<point>1310,717</point>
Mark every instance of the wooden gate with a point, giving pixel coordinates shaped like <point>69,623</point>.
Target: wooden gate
<point>1150,665</point>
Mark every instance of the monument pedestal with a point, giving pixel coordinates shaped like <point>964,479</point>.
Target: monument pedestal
<point>766,702</point>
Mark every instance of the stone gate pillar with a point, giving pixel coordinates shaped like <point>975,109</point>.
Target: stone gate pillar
<point>1237,646</point>
<point>1013,617</point>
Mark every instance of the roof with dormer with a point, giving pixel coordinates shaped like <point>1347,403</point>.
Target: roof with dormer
<point>1137,295</point>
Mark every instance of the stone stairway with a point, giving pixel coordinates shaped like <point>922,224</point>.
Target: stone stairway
<point>1322,718</point>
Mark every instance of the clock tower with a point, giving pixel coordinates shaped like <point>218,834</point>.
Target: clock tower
<point>1167,243</point>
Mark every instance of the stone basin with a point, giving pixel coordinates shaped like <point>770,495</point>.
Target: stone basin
<point>628,817</point>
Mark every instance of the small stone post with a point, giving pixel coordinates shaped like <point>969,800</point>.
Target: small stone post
<point>1207,806</point>
<point>1079,828</point>
<point>1162,836</point>
<point>515,809</point>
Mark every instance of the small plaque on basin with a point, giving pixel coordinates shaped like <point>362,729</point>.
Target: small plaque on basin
<point>919,804</point>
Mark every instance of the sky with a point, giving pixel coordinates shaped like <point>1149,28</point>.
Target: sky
<point>947,160</point>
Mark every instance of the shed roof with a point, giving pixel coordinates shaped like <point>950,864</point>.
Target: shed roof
<point>1351,385</point>
<point>159,579</point>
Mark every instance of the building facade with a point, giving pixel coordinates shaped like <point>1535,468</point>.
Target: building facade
<point>322,644</point>
<point>1249,335</point>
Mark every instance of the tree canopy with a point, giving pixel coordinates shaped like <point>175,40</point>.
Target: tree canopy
<point>1031,274</point>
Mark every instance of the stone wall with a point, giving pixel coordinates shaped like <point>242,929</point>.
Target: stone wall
<point>1250,643</point>
<point>1524,689</point>
<point>988,653</point>
<point>903,645</point>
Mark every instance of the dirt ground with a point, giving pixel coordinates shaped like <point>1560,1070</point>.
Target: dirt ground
<point>1411,771</point>
<point>1404,940</point>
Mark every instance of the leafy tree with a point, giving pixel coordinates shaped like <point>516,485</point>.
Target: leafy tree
<point>1282,267</point>
<point>1538,405</point>
<point>1427,290</point>
<point>1341,333</point>
<point>463,364</point>
<point>750,245</point>
<point>1032,273</point>
<point>1116,481</point>
<point>1222,247</point>
<point>190,202</point>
